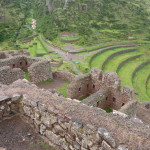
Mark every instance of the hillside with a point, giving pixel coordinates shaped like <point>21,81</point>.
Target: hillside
<point>95,20</point>
<point>103,20</point>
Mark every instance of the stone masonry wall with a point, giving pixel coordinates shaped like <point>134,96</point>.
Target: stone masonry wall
<point>98,99</point>
<point>40,71</point>
<point>64,75</point>
<point>70,125</point>
<point>9,106</point>
<point>85,85</point>
<point>22,62</point>
<point>8,75</point>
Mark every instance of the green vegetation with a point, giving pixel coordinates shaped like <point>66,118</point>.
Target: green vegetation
<point>125,73</point>
<point>97,62</point>
<point>114,62</point>
<point>148,89</point>
<point>95,21</point>
<point>27,75</point>
<point>68,38</point>
<point>82,98</point>
<point>46,82</point>
<point>139,83</point>
<point>63,89</point>
<point>107,109</point>
<point>126,70</point>
<point>98,24</point>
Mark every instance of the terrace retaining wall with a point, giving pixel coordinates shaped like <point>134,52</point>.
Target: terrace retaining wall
<point>109,47</point>
<point>126,61</point>
<point>116,54</point>
<point>138,68</point>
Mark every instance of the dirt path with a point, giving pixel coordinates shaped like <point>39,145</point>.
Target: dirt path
<point>15,134</point>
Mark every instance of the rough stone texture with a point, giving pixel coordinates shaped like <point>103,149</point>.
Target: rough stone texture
<point>8,75</point>
<point>130,108</point>
<point>98,99</point>
<point>69,124</point>
<point>2,55</point>
<point>143,112</point>
<point>40,71</point>
<point>80,87</point>
<point>8,107</point>
<point>96,80</point>
<point>64,75</point>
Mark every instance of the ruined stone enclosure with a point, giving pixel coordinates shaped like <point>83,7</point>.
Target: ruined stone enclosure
<point>13,66</point>
<point>70,124</point>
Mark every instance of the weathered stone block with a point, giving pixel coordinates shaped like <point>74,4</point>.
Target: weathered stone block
<point>106,136</point>
<point>106,146</point>
<point>53,137</point>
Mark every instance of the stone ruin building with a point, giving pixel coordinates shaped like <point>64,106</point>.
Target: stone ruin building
<point>67,123</point>
<point>13,66</point>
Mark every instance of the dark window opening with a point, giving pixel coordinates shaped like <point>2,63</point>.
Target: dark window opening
<point>79,89</point>
<point>114,99</point>
<point>87,86</point>
<point>147,106</point>
<point>26,63</point>
<point>13,66</point>
<point>93,86</point>
<point>123,104</point>
<point>20,63</point>
<point>106,98</point>
<point>97,104</point>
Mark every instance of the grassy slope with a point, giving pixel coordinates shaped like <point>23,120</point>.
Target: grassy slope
<point>98,61</point>
<point>139,83</point>
<point>63,89</point>
<point>112,65</point>
<point>125,73</point>
<point>148,89</point>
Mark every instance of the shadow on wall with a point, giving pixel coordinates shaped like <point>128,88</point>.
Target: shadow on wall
<point>102,89</point>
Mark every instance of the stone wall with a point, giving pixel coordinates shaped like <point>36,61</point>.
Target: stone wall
<point>70,125</point>
<point>21,61</point>
<point>109,47</point>
<point>2,55</point>
<point>116,54</point>
<point>126,61</point>
<point>64,75</point>
<point>143,111</point>
<point>130,108</point>
<point>138,69</point>
<point>85,85</point>
<point>98,99</point>
<point>8,75</point>
<point>80,87</point>
<point>12,53</point>
<point>9,106</point>
<point>40,71</point>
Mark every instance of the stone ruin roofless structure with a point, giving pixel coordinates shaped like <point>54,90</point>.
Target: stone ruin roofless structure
<point>14,64</point>
<point>68,123</point>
